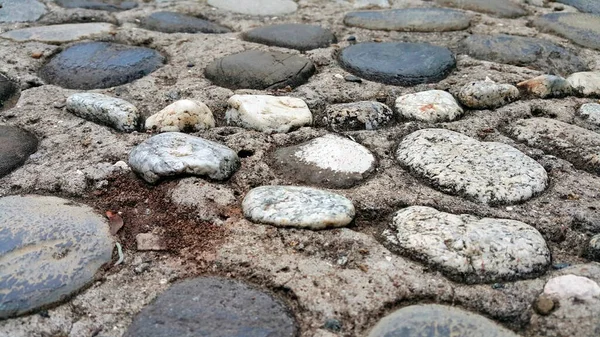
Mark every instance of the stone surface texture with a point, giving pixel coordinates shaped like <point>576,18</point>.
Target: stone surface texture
<point>105,5</point>
<point>363,115</point>
<point>487,94</point>
<point>183,115</point>
<point>585,83</point>
<point>267,113</point>
<point>60,33</point>
<point>572,287</point>
<point>545,86</point>
<point>294,36</point>
<point>256,7</point>
<point>98,108</point>
<point>173,22</point>
<point>410,20</point>
<point>21,10</point>
<point>16,145</point>
<point>8,90</point>
<point>582,29</point>
<point>591,113</point>
<point>499,8</point>
<point>429,106</point>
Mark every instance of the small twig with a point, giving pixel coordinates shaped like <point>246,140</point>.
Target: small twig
<point>121,256</point>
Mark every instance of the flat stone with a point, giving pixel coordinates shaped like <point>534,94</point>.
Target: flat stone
<point>105,5</point>
<point>410,20</point>
<point>172,22</point>
<point>487,94</point>
<point>398,63</point>
<point>523,51</point>
<point>95,65</point>
<point>469,249</point>
<point>586,6</point>
<point>183,115</point>
<point>330,161</point>
<point>267,113</point>
<point>362,115</point>
<point>149,241</point>
<point>173,153</point>
<point>256,7</point>
<point>429,106</point>
<point>15,147</point>
<point>573,143</point>
<point>591,113</point>
<point>294,36</point>
<point>370,3</point>
<point>295,206</point>
<point>114,112</point>
<point>545,86</point>
<point>582,29</point>
<point>213,306</point>
<point>8,90</point>
<point>255,69</point>
<point>59,33</point>
<point>21,10</point>
<point>434,320</point>
<point>499,8</point>
<point>593,249</point>
<point>485,172</point>
<point>568,287</point>
<point>50,248</point>
<point>585,83</point>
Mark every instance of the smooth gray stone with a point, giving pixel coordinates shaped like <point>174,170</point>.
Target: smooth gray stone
<point>21,10</point>
<point>114,112</point>
<point>586,6</point>
<point>523,51</point>
<point>50,248</point>
<point>106,5</point>
<point>171,22</point>
<point>294,36</point>
<point>213,307</point>
<point>410,20</point>
<point>363,115</point>
<point>16,145</point>
<point>499,8</point>
<point>173,153</point>
<point>60,33</point>
<point>8,90</point>
<point>398,63</point>
<point>582,29</point>
<point>256,7</point>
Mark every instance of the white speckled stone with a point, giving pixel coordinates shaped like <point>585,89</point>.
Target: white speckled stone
<point>181,116</point>
<point>486,172</point>
<point>467,248</point>
<point>294,206</point>
<point>114,112</point>
<point>546,86</point>
<point>429,106</point>
<point>256,7</point>
<point>60,33</point>
<point>363,115</point>
<point>487,94</point>
<point>591,113</point>
<point>585,83</point>
<point>568,287</point>
<point>174,153</point>
<point>268,113</point>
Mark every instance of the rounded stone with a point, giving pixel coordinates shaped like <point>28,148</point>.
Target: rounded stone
<point>572,287</point>
<point>267,113</point>
<point>410,20</point>
<point>398,63</point>
<point>256,7</point>
<point>294,36</point>
<point>330,161</point>
<point>8,90</point>
<point>60,33</point>
<point>50,248</point>
<point>429,106</point>
<point>95,65</point>
<point>499,8</point>
<point>16,145</point>
<point>213,306</point>
<point>183,115</point>
<point>485,172</point>
<point>113,112</point>
<point>591,113</point>
<point>543,304</point>
<point>585,83</point>
<point>469,249</point>
<point>300,207</point>
<point>434,320</point>
<point>545,86</point>
<point>586,6</point>
<point>362,115</point>
<point>593,249</point>
<point>487,94</point>
<point>582,29</point>
<point>21,10</point>
<point>255,69</point>
<point>105,5</point>
<point>173,153</point>
<point>172,22</point>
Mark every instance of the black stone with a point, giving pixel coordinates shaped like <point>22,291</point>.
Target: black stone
<point>586,6</point>
<point>255,69</point>
<point>213,307</point>
<point>398,63</point>
<point>293,36</point>
<point>583,29</point>
<point>106,5</point>
<point>94,65</point>
<point>16,145</point>
<point>171,22</point>
<point>524,51</point>
<point>8,90</point>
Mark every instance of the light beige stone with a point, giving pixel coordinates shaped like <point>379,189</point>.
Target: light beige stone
<point>182,115</point>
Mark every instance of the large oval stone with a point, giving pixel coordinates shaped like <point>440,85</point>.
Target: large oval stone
<point>15,147</point>
<point>21,10</point>
<point>50,248</point>
<point>586,6</point>
<point>410,20</point>
<point>499,8</point>
<point>255,69</point>
<point>485,172</point>
<point>398,63</point>
<point>256,7</point>
<point>106,5</point>
<point>94,65</point>
<point>294,36</point>
<point>582,29</point>
<point>172,22</point>
<point>60,33</point>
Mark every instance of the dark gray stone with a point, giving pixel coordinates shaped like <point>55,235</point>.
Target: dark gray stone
<point>94,65</point>
<point>293,36</point>
<point>8,90</point>
<point>523,51</point>
<point>21,10</point>
<point>106,5</point>
<point>171,22</point>
<point>499,8</point>
<point>410,20</point>
<point>582,29</point>
<point>586,6</point>
<point>50,248</point>
<point>255,69</point>
<point>15,147</point>
<point>398,63</point>
<point>213,307</point>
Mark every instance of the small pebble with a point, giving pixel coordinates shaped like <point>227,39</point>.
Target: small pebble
<point>352,78</point>
<point>544,305</point>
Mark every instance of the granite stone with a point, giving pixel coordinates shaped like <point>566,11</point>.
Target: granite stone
<point>294,36</point>
<point>410,20</point>
<point>429,106</point>
<point>361,115</point>
<point>487,94</point>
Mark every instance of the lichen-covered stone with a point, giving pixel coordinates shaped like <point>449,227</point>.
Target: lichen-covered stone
<point>268,113</point>
<point>362,115</point>
<point>545,86</point>
<point>429,106</point>
<point>487,94</point>
<point>114,112</point>
<point>183,115</point>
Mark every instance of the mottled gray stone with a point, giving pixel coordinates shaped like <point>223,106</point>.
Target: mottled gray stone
<point>398,63</point>
<point>59,33</point>
<point>362,115</point>
<point>330,161</point>
<point>256,7</point>
<point>215,307</point>
<point>429,106</point>
<point>172,22</point>
<point>106,5</point>
<point>8,90</point>
<point>487,94</point>
<point>114,112</point>
<point>433,320</point>
<point>573,143</point>
<point>593,249</point>
<point>545,86</point>
<point>582,29</point>
<point>294,36</point>
<point>173,153</point>
<point>523,51</point>
<point>410,20</point>
<point>486,172</point>
<point>467,248</point>
<point>50,248</point>
<point>21,10</point>
<point>586,6</point>
<point>294,206</point>
<point>15,147</point>
<point>585,83</point>
<point>499,8</point>
<point>591,113</point>
<point>255,69</point>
